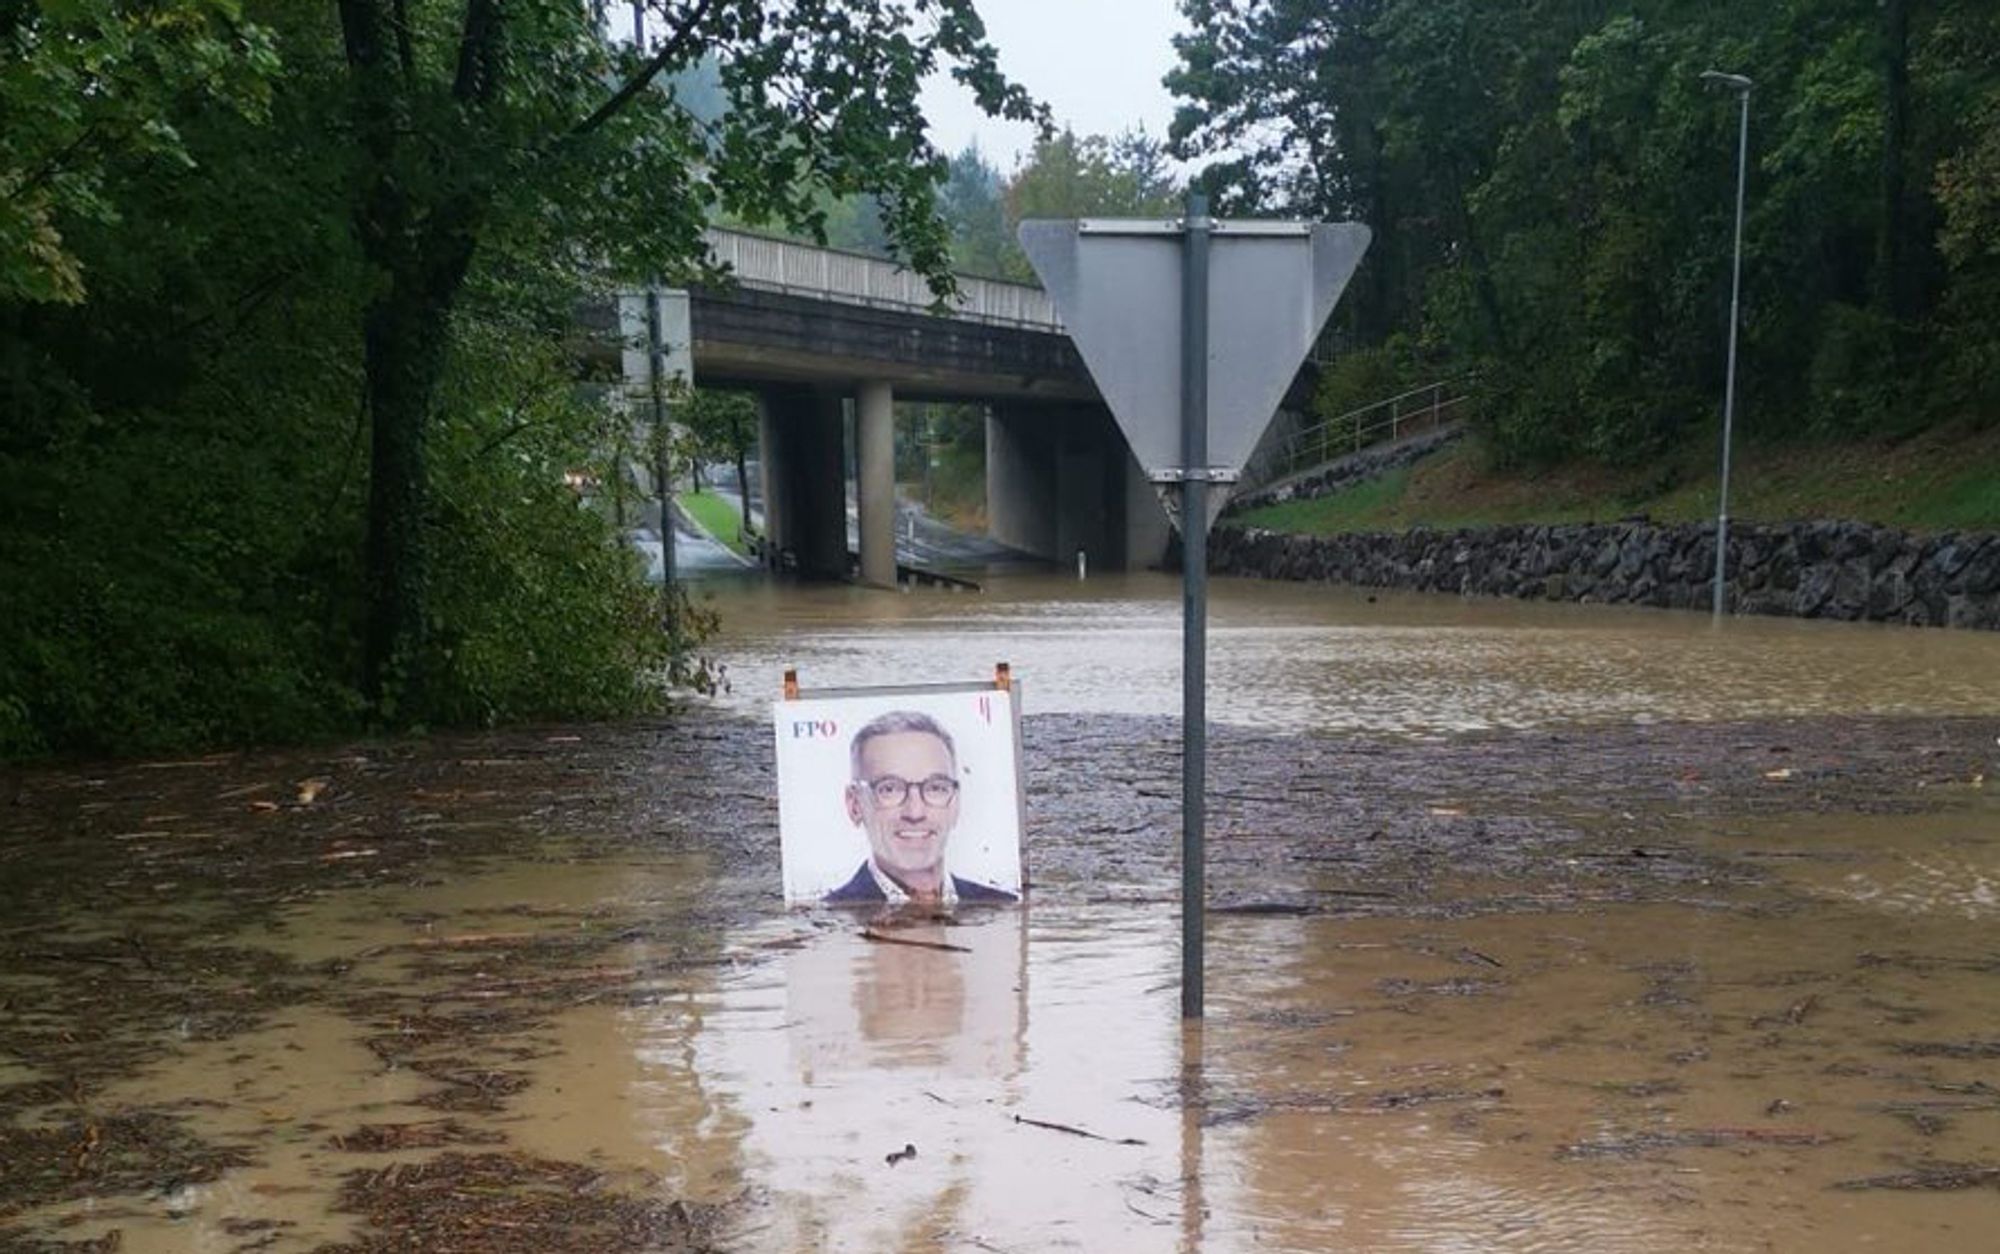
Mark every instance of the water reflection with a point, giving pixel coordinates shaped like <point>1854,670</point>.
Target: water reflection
<point>1312,658</point>
<point>848,1052</point>
<point>945,1000</point>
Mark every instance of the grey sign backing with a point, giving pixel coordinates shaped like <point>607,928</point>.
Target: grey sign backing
<point>1117,285</point>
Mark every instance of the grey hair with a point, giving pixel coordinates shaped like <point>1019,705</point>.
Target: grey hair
<point>894,723</point>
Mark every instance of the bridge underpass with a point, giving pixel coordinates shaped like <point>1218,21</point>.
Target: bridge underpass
<point>829,340</point>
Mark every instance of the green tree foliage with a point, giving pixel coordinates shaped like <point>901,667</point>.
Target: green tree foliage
<point>973,201</point>
<point>1066,176</point>
<point>721,426</point>
<point>941,460</point>
<point>498,136</point>
<point>291,408</point>
<point>1552,191</point>
<point>1069,175</point>
<point>85,84</point>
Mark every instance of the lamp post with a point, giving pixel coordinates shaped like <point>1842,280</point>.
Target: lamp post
<point>1741,86</point>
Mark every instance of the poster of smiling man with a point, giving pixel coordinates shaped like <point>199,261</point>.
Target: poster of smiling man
<point>890,796</point>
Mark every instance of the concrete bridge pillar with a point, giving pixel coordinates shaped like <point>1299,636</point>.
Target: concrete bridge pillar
<point>875,482</point>
<point>805,481</point>
<point>1059,479</point>
<point>1021,480</point>
<point>1089,491</point>
<point>772,463</point>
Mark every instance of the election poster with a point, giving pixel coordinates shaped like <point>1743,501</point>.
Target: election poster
<point>888,796</point>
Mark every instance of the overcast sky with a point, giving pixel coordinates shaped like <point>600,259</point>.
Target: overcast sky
<point>1097,64</point>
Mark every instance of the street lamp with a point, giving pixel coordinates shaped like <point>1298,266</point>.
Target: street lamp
<point>1741,86</point>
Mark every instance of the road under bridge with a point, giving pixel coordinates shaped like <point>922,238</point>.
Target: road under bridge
<point>829,341</point>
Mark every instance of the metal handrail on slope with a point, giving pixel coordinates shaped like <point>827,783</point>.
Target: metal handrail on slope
<point>1420,409</point>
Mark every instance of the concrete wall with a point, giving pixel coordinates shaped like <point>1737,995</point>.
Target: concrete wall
<point>1059,478</point>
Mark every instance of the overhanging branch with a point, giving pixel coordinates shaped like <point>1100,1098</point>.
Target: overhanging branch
<point>675,46</point>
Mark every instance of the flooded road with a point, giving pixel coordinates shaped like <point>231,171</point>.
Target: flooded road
<point>1308,658</point>
<point>1537,929</point>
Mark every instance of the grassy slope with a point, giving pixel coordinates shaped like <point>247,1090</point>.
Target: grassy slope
<point>717,517</point>
<point>1946,478</point>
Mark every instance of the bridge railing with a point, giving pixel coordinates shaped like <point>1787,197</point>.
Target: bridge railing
<point>780,265</point>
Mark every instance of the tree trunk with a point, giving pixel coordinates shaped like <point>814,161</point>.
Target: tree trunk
<point>422,247</point>
<point>1895,261</point>
<point>742,479</point>
<point>407,337</point>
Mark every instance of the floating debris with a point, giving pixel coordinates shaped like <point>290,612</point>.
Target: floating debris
<point>1642,1143</point>
<point>1932,1176</point>
<point>514,1204</point>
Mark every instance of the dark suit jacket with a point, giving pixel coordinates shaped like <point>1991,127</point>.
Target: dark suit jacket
<point>863,889</point>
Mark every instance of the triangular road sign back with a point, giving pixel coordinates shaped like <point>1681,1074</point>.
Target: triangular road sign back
<point>1117,285</point>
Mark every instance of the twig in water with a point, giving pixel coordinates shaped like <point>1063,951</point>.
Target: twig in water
<point>1063,1127</point>
<point>869,933</point>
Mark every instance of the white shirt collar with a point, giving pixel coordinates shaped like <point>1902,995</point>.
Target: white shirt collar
<point>947,890</point>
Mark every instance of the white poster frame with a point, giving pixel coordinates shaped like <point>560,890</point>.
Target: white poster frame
<point>808,887</point>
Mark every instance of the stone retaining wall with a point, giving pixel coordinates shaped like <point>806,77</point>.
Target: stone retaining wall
<point>1840,570</point>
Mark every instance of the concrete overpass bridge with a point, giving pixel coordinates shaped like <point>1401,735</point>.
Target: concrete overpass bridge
<point>821,335</point>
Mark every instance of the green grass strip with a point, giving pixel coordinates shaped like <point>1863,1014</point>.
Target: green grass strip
<point>1948,479</point>
<point>717,517</point>
<point>1361,508</point>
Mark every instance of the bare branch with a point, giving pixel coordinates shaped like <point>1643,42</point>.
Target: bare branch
<point>671,50</point>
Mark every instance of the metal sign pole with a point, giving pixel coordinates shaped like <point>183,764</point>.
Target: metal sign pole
<point>662,452</point>
<point>1251,294</point>
<point>1194,597</point>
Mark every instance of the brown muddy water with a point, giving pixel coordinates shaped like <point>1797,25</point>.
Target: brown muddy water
<point>1536,928</point>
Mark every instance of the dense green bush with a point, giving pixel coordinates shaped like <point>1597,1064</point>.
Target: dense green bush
<point>1854,383</point>
<point>190,576</point>
<point>1367,375</point>
<point>539,611</point>
<point>182,496</point>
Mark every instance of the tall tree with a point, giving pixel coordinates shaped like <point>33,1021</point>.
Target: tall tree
<point>484,131</point>
<point>972,202</point>
<point>1550,190</point>
<point>1071,176</point>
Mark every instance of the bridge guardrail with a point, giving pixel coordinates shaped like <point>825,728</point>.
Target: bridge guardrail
<point>770,264</point>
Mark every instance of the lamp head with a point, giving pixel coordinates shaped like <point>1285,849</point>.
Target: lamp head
<point>1734,82</point>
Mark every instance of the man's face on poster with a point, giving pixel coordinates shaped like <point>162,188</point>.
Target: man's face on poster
<point>905,795</point>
